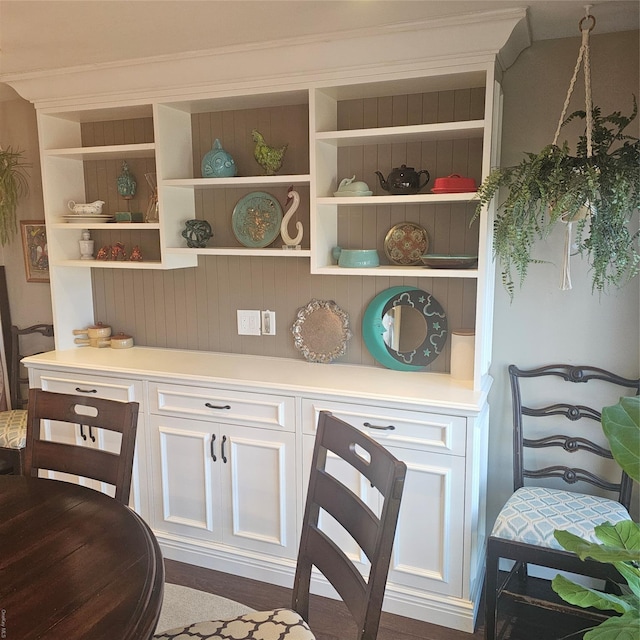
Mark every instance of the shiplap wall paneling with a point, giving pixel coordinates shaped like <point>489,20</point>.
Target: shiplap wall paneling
<point>279,125</point>
<point>196,308</point>
<point>101,175</point>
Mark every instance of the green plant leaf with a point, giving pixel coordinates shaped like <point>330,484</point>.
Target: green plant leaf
<point>621,545</point>
<point>625,627</point>
<point>621,425</point>
<point>625,534</point>
<point>584,597</point>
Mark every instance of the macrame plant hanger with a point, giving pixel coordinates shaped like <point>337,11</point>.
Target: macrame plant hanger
<point>585,25</point>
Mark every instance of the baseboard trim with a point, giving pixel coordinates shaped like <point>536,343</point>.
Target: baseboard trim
<point>446,611</point>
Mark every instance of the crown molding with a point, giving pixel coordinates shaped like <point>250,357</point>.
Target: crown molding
<point>500,34</point>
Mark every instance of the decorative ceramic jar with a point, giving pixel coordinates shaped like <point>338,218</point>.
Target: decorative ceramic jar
<point>217,163</point>
<point>126,182</point>
<point>86,246</point>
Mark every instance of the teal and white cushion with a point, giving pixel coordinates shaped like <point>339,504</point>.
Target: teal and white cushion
<point>279,624</point>
<point>13,429</point>
<point>533,513</point>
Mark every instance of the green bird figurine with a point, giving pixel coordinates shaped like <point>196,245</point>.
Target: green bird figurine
<point>269,158</point>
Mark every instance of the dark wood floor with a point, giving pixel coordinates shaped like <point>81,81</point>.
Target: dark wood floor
<point>330,620</point>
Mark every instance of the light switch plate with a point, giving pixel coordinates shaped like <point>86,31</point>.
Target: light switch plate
<point>248,322</point>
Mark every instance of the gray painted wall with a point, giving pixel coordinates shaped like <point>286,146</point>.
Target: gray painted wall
<point>545,325</point>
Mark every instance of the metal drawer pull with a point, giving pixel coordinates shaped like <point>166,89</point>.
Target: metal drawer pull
<point>213,406</point>
<point>224,458</point>
<point>79,390</point>
<point>375,426</point>
<point>213,447</point>
<point>82,435</point>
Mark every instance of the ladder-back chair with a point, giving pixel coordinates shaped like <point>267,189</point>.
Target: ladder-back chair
<point>13,422</point>
<point>523,531</point>
<point>113,468</point>
<point>373,533</point>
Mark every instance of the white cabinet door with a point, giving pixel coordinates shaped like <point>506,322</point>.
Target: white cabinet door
<point>427,552</point>
<point>259,489</point>
<point>224,484</point>
<point>185,477</point>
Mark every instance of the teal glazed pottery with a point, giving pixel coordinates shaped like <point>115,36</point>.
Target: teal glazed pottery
<point>197,233</point>
<point>217,163</point>
<point>126,183</point>
<point>356,258</point>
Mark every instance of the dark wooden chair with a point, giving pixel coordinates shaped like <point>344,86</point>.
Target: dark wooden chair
<point>523,531</point>
<point>88,462</point>
<point>374,535</point>
<point>13,422</point>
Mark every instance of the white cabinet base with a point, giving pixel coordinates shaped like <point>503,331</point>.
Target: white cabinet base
<point>208,513</point>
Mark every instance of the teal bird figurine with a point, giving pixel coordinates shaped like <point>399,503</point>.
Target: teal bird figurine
<point>269,158</point>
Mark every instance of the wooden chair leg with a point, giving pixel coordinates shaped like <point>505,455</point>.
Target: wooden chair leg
<point>490,596</point>
<point>522,572</point>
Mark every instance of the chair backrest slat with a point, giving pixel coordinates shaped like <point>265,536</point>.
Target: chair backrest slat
<point>105,466</point>
<point>580,418</point>
<point>373,533</point>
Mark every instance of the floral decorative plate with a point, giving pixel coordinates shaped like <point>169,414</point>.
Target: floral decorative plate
<point>406,243</point>
<point>256,219</point>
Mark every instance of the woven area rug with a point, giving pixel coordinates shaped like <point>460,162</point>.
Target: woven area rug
<point>183,606</point>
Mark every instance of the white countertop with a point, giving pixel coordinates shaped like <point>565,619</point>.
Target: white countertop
<point>279,374</point>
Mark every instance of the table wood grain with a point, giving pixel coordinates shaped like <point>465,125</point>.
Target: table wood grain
<point>74,563</point>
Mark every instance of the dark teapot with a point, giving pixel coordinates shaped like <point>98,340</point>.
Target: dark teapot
<point>403,180</point>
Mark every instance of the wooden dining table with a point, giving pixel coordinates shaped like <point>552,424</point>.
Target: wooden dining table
<point>75,563</point>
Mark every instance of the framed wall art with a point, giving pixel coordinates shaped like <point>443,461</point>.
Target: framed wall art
<point>34,247</point>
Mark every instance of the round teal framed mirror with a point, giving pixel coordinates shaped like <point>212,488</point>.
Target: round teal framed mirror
<point>404,328</point>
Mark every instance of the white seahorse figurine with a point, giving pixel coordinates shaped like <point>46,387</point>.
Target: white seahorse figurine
<point>291,243</point>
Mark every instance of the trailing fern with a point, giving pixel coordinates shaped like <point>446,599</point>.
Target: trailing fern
<point>553,185</point>
<point>13,186</point>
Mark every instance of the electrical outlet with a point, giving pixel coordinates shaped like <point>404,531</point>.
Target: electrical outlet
<point>248,323</point>
<point>268,323</point>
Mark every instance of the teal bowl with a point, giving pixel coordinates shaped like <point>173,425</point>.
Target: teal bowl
<point>356,258</point>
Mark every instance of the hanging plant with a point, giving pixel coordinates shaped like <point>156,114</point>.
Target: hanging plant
<point>13,186</point>
<point>597,190</point>
<point>554,186</point>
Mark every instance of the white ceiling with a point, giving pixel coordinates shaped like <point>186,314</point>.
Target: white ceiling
<point>39,35</point>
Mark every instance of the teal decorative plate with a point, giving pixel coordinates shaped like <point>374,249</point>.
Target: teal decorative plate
<point>256,219</point>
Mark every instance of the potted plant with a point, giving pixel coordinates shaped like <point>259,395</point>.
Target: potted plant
<point>620,542</point>
<point>13,185</point>
<point>599,192</point>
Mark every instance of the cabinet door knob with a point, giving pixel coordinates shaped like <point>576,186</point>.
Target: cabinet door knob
<point>213,447</point>
<point>224,458</point>
<point>79,390</point>
<point>389,427</point>
<point>213,406</point>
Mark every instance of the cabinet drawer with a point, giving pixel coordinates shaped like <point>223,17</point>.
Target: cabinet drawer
<point>394,427</point>
<point>223,405</point>
<point>93,386</point>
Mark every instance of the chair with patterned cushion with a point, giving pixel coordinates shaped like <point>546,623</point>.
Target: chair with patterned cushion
<point>13,435</point>
<point>13,423</point>
<point>373,534</point>
<point>523,531</point>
